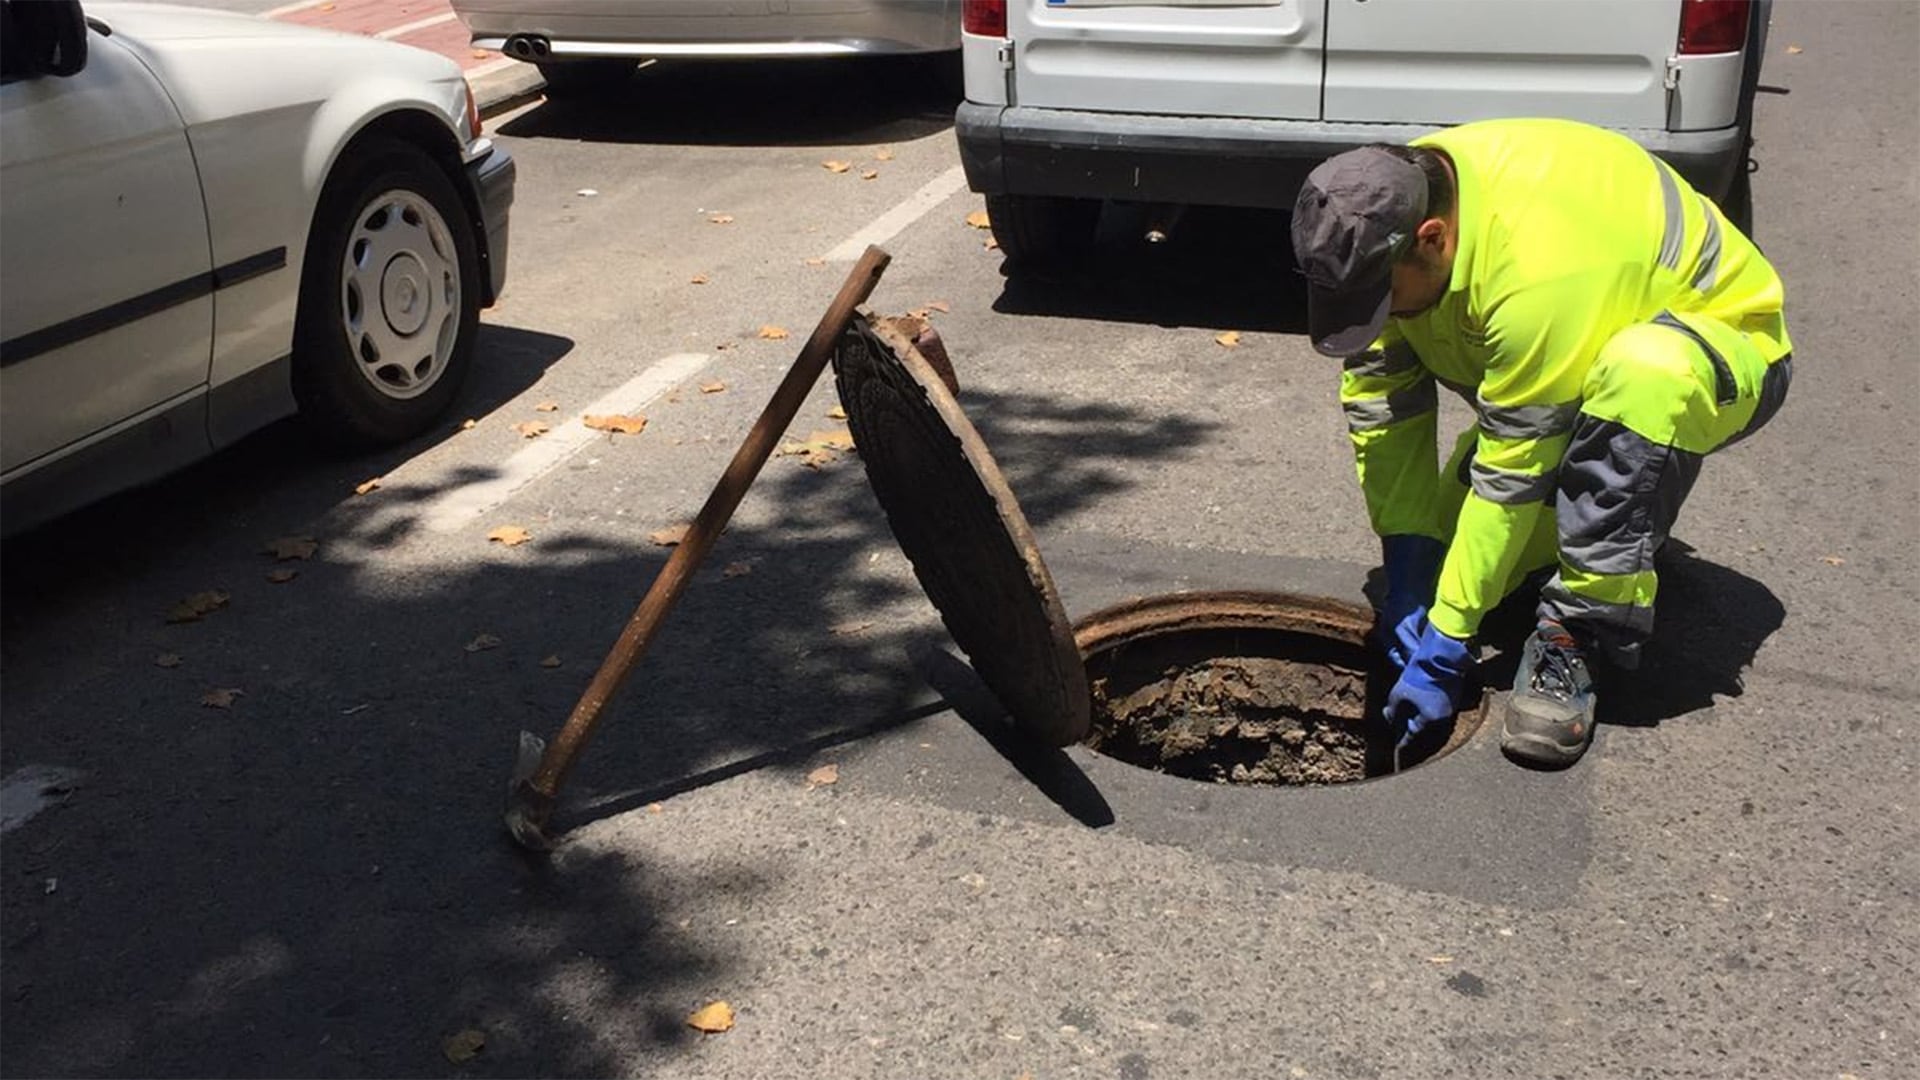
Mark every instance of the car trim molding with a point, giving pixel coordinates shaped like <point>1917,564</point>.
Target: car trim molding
<point>131,310</point>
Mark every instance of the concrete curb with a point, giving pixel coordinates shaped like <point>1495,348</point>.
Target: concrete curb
<point>494,92</point>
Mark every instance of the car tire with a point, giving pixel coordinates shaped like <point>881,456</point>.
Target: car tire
<point>390,297</point>
<point>585,78</point>
<point>1043,230</point>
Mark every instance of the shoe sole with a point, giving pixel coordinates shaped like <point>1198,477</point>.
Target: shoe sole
<point>1538,749</point>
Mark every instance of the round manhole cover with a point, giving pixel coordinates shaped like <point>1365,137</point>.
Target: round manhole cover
<point>1247,688</point>
<point>952,513</point>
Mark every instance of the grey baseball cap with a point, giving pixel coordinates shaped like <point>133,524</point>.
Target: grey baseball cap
<point>1355,215</point>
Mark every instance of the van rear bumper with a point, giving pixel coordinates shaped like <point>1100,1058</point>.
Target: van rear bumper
<point>1222,161</point>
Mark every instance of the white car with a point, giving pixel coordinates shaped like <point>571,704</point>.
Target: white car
<point>586,46</point>
<point>212,221</point>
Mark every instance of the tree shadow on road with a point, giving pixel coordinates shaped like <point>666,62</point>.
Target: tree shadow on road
<point>315,881</point>
<point>827,102</point>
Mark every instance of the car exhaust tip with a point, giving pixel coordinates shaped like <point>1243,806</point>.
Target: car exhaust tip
<point>527,47</point>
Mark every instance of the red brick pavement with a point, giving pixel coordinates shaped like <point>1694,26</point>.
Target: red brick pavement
<point>425,24</point>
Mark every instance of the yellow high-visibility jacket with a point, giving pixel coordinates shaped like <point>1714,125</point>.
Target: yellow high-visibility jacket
<point>1567,234</point>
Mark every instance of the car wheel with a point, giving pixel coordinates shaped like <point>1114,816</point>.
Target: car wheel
<point>389,299</point>
<point>585,78</point>
<point>1042,230</point>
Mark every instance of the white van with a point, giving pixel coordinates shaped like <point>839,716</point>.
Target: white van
<point>1232,102</point>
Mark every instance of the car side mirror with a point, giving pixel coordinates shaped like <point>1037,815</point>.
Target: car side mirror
<point>49,37</point>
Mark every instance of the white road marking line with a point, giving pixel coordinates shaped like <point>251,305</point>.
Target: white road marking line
<point>288,9</point>
<point>458,507</point>
<point>417,24</point>
<point>30,789</point>
<point>889,225</point>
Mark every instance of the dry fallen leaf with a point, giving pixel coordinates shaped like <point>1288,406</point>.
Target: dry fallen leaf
<point>883,154</point>
<point>469,425</point>
<point>737,569</point>
<point>622,425</point>
<point>712,1019</point>
<point>837,413</point>
<point>483,643</point>
<point>167,660</point>
<point>820,448</point>
<point>992,244</point>
<point>1833,560</point>
<point>836,166</point>
<point>670,535</point>
<point>697,279</point>
<point>282,576</point>
<point>292,547</point>
<point>714,387</point>
<point>771,332</point>
<point>1228,340</point>
<point>200,603</point>
<point>532,429</point>
<point>222,698</point>
<point>366,486</point>
<point>547,406</point>
<point>823,776</point>
<point>1795,50</point>
<point>656,808</point>
<point>870,174</point>
<point>464,1046</point>
<point>816,261</point>
<point>845,628</point>
<point>979,220</point>
<point>721,219</point>
<point>510,535</point>
<point>481,54</point>
<point>550,662</point>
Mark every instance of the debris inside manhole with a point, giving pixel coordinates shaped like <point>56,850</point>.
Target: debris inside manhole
<point>1265,689</point>
<point>1240,720</point>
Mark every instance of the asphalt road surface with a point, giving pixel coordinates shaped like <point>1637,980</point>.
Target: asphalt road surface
<point>313,881</point>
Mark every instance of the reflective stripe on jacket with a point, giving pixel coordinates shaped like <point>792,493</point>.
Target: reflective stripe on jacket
<point>1567,234</point>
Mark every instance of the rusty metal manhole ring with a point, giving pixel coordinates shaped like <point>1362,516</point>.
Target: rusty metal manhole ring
<point>1266,689</point>
<point>954,516</point>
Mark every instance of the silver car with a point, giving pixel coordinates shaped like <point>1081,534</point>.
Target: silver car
<point>584,45</point>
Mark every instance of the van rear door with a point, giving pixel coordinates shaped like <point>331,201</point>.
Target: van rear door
<point>1418,61</point>
<point>1246,58</point>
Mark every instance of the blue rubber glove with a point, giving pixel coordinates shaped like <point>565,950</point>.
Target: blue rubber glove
<point>1411,565</point>
<point>1429,689</point>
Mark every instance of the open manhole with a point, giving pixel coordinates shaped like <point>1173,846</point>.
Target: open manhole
<point>1246,688</point>
<point>1229,687</point>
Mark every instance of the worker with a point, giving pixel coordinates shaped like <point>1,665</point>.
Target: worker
<point>1609,327</point>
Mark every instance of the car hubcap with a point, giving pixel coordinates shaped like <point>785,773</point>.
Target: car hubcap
<point>400,294</point>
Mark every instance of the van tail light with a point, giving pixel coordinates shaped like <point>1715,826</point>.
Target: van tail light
<point>987,18</point>
<point>1713,26</point>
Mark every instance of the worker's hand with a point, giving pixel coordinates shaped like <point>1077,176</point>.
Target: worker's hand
<point>1429,689</point>
<point>1411,564</point>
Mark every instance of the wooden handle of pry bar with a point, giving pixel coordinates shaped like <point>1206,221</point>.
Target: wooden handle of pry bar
<point>706,528</point>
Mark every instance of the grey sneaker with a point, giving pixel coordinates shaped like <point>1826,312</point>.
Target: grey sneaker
<point>1550,712</point>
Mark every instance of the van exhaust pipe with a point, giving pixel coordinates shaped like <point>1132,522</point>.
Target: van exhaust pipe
<point>529,47</point>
